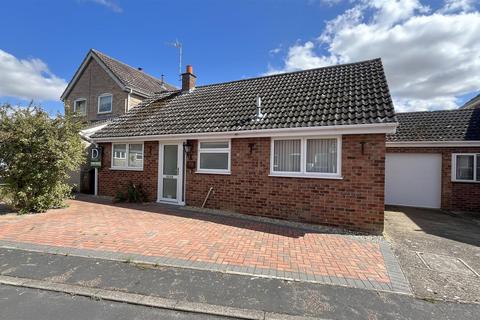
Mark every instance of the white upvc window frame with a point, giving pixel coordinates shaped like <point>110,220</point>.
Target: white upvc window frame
<point>454,167</point>
<point>127,149</point>
<point>214,150</point>
<point>98,103</point>
<point>303,173</point>
<point>75,105</point>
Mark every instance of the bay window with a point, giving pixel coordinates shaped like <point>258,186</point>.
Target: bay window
<point>317,157</point>
<point>214,157</point>
<point>127,156</point>
<point>466,167</point>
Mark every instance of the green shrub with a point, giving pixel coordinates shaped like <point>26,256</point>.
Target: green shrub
<point>134,194</point>
<point>120,197</point>
<point>37,152</point>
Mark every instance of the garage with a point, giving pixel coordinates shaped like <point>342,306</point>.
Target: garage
<point>413,179</point>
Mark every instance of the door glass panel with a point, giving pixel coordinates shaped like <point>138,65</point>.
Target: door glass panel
<point>169,188</point>
<point>170,160</point>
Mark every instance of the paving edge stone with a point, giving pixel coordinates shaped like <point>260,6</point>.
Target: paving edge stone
<point>148,301</point>
<point>398,286</point>
<point>398,280</point>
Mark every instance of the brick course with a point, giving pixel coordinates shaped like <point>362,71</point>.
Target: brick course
<point>456,196</point>
<point>112,181</point>
<point>356,202</point>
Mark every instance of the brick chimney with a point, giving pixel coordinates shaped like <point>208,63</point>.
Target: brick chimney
<point>188,79</point>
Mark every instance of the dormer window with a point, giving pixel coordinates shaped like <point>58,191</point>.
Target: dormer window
<point>105,103</point>
<point>80,106</point>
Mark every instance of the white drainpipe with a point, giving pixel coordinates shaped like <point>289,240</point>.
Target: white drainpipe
<point>127,104</point>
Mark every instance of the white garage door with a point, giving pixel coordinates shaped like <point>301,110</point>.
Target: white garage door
<point>413,179</point>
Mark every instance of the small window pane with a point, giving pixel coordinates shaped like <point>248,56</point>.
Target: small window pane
<point>286,155</point>
<point>135,156</point>
<point>465,167</point>
<point>214,161</point>
<point>322,155</point>
<point>105,104</point>
<point>80,106</point>
<point>119,155</point>
<point>478,167</point>
<point>214,145</point>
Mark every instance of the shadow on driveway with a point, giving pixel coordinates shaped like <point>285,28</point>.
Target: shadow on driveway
<point>442,224</point>
<point>253,223</point>
<point>449,243</point>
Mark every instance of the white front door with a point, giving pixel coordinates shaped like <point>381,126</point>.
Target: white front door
<point>170,184</point>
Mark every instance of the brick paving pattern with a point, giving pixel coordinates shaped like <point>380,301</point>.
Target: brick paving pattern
<point>204,240</point>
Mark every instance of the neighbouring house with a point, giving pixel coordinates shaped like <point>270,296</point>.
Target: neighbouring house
<point>472,103</point>
<point>305,146</point>
<point>101,89</point>
<point>433,160</point>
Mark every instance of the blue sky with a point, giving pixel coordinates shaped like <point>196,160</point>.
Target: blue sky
<point>228,40</point>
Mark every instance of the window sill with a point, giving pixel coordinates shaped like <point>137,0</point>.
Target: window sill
<point>126,169</point>
<point>465,181</point>
<point>104,112</point>
<point>212,172</point>
<point>290,175</point>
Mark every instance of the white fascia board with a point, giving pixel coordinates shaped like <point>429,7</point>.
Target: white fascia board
<point>89,131</point>
<point>137,92</point>
<point>382,128</point>
<point>438,144</point>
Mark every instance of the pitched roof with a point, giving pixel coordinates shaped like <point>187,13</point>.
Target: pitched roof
<point>472,103</point>
<point>452,125</point>
<point>348,94</point>
<point>126,76</point>
<point>132,77</point>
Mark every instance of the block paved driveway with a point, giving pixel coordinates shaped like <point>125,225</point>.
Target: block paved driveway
<point>180,237</point>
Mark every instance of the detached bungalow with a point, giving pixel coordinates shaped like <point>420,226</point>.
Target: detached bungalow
<point>304,146</point>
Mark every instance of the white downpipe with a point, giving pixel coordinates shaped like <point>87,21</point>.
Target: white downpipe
<point>127,107</point>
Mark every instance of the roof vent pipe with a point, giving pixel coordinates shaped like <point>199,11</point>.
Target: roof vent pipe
<point>260,115</point>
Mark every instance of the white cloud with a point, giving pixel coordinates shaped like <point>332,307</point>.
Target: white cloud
<point>329,2</point>
<point>28,79</point>
<point>109,4</point>
<point>458,6</point>
<point>276,50</point>
<point>430,58</point>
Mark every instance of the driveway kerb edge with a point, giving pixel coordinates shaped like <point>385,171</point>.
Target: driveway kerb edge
<point>400,287</point>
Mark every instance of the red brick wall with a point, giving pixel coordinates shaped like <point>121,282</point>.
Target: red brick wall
<point>456,196</point>
<point>356,202</point>
<point>112,181</point>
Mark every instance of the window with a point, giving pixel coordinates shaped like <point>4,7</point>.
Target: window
<point>466,167</point>
<point>105,103</point>
<point>134,160</point>
<point>80,106</point>
<point>214,157</point>
<point>306,157</point>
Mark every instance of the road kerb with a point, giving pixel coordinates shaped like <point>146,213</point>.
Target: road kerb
<point>137,299</point>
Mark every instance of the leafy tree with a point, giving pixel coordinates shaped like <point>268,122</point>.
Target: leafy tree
<point>37,152</point>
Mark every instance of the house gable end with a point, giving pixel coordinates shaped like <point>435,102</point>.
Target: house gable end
<point>80,71</point>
